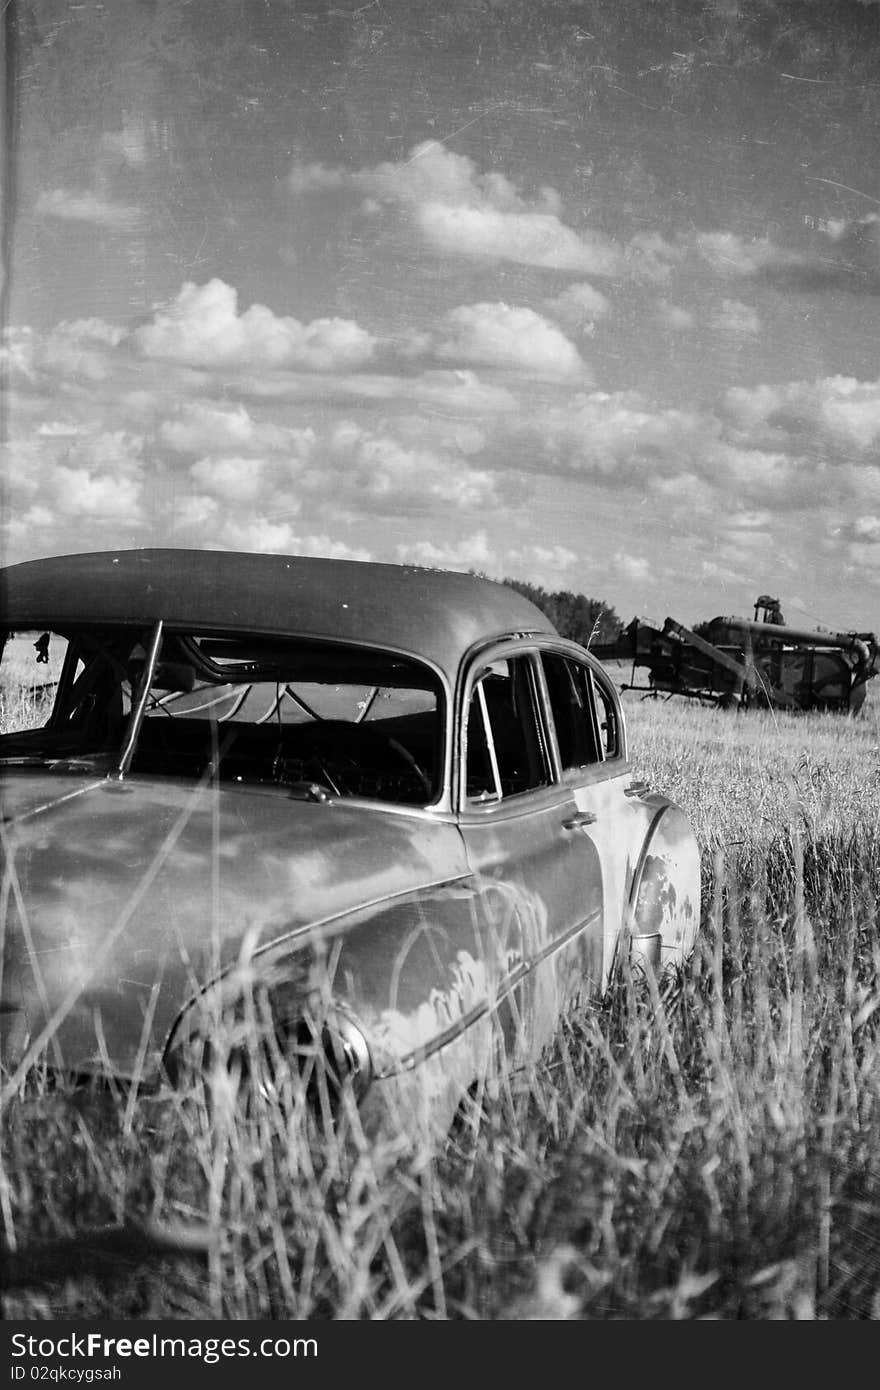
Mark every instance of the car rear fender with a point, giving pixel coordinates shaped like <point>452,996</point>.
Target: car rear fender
<point>661,915</point>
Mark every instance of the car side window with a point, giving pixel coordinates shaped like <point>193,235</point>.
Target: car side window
<point>506,753</point>
<point>570,688</point>
<point>609,727</point>
<point>584,714</point>
<point>30,673</point>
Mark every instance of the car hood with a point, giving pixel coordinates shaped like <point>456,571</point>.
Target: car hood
<point>125,897</point>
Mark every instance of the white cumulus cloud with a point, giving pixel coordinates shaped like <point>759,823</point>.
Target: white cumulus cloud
<point>381,473</point>
<point>459,211</point>
<point>527,238</point>
<point>471,552</point>
<point>232,479</point>
<point>203,327</point>
<point>635,568</point>
<point>580,305</point>
<point>509,336</point>
<point>842,411</point>
<point>77,492</point>
<point>203,427</point>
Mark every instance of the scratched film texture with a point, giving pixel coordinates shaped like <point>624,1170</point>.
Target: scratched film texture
<point>580,293</point>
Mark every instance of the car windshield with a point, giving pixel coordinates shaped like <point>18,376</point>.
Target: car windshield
<point>320,717</point>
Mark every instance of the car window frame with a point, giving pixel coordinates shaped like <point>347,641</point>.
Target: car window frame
<point>441,801</point>
<point>609,765</point>
<point>592,714</point>
<point>477,669</point>
<point>562,780</point>
<point>71,629</point>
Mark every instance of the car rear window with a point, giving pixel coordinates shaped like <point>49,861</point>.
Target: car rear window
<point>354,721</point>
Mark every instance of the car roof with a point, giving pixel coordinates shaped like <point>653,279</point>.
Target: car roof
<point>433,614</point>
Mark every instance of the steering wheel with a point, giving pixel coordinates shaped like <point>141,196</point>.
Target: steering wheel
<point>336,741</point>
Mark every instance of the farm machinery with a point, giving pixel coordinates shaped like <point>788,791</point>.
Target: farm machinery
<point>757,662</point>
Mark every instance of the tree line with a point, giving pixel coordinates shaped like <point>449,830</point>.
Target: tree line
<point>584,620</point>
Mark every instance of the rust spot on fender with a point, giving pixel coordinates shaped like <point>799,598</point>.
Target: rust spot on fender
<point>657,899</point>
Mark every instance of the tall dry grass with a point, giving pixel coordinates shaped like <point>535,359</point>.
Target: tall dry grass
<point>707,1151</point>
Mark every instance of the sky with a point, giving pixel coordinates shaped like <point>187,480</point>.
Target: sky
<point>584,293</point>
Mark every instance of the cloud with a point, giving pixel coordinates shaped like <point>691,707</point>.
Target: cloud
<point>68,477</point>
<point>203,327</point>
<point>738,318</point>
<point>18,349</point>
<point>512,337</point>
<point>58,429</point>
<point>382,474</point>
<point>470,553</point>
<point>413,448</point>
<point>543,564</point>
<point>527,238</point>
<point>430,173</point>
<point>198,465</point>
<point>458,211</point>
<point>230,479</point>
<point>77,492</point>
<point>203,523</point>
<point>331,548</point>
<point>674,316</point>
<point>835,412</point>
<point>860,540</point>
<point>202,333</point>
<point>455,393</point>
<point>259,534</point>
<point>687,493</point>
<point>542,560</point>
<point>730,254</point>
<point>67,206</point>
<point>781,449</point>
<point>201,426</point>
<point>580,305</point>
<point>315,178</point>
<point>761,474</point>
<point>753,521</point>
<point>619,438</point>
<point>651,259</point>
<point>635,568</point>
<point>858,243</point>
<point>79,348</point>
<point>196,513</point>
<point>850,410</point>
<point>450,392</point>
<point>848,258</point>
<point>867,528</point>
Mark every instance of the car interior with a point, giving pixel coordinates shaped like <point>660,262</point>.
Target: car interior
<point>342,721</point>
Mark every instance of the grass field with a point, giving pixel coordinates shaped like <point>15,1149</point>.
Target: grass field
<point>713,1153</point>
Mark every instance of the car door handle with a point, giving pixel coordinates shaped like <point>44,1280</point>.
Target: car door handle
<point>580,818</point>
<point>636,789</point>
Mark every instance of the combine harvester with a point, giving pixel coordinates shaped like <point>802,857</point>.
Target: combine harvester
<point>750,663</point>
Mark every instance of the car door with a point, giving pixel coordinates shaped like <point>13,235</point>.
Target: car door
<point>590,744</point>
<point>528,845</point>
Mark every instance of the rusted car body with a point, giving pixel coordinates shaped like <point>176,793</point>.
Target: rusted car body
<point>393,787</point>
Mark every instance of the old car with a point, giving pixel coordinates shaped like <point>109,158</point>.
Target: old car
<point>389,797</point>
